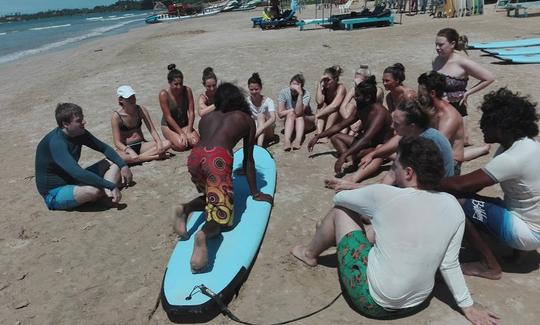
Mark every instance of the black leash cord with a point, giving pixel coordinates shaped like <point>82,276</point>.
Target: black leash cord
<point>203,289</point>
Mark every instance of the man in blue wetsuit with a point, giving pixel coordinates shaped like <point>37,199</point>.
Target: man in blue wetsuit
<point>62,182</point>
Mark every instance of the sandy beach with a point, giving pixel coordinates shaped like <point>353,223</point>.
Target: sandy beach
<point>106,267</point>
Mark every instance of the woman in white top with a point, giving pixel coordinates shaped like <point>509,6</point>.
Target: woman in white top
<point>262,110</point>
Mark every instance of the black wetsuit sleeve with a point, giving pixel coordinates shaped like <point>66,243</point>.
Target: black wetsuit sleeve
<point>62,157</point>
<point>93,142</point>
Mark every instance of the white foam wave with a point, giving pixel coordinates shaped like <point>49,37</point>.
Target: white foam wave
<point>110,18</point>
<point>3,33</point>
<point>94,18</point>
<point>50,27</point>
<point>93,33</point>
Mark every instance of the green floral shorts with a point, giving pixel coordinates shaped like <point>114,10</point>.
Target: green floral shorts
<point>352,253</point>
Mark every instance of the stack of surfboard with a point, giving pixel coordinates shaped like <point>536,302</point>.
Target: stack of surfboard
<point>462,8</point>
<point>525,50</point>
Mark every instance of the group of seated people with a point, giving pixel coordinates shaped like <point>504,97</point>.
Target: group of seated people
<point>385,266</point>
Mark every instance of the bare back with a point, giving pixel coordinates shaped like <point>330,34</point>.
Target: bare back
<point>219,129</point>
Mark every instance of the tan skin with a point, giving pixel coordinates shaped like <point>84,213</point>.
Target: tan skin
<point>181,138</point>
<point>150,150</point>
<point>206,99</point>
<point>448,121</point>
<point>329,97</point>
<point>225,130</point>
<point>375,129</point>
<point>397,92</point>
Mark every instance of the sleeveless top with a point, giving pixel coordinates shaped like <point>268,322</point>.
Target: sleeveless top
<point>124,127</point>
<point>455,88</point>
<point>178,112</point>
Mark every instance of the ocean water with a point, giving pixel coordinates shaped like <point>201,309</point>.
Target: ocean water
<point>24,38</point>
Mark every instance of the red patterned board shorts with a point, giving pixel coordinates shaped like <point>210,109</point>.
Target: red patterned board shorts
<point>211,171</point>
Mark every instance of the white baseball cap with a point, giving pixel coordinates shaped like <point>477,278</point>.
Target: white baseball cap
<point>125,91</point>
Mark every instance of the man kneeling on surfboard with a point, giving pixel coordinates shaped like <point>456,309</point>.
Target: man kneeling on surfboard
<point>210,165</point>
<point>392,239</point>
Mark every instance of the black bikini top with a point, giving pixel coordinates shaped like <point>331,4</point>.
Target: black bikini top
<point>124,127</point>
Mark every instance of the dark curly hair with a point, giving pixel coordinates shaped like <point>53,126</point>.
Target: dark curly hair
<point>509,112</point>
<point>367,88</point>
<point>423,156</point>
<point>231,98</point>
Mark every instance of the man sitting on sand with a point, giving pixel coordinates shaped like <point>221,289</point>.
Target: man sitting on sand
<point>375,126</point>
<point>409,119</point>
<point>60,180</point>
<point>511,121</point>
<point>210,165</point>
<point>389,270</point>
<point>445,118</point>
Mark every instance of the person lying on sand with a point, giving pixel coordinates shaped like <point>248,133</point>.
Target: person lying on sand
<point>511,121</point>
<point>375,127</point>
<point>210,165</point>
<point>62,182</point>
<point>127,133</point>
<point>384,269</point>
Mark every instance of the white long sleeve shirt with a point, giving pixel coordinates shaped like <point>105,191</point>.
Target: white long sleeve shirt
<point>417,232</point>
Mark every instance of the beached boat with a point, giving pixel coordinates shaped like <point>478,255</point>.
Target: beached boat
<point>167,17</point>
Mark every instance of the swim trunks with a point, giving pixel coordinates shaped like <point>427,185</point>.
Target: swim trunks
<point>211,171</point>
<point>492,215</point>
<point>352,253</point>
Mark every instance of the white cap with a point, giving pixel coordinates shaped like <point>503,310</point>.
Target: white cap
<point>125,91</point>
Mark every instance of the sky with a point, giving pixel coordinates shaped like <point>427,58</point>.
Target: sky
<point>33,6</point>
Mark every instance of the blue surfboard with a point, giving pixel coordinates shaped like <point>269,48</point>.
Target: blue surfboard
<point>514,50</point>
<point>528,58</point>
<point>231,254</point>
<point>503,44</point>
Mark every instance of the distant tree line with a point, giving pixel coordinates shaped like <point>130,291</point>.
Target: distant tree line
<point>121,5</point>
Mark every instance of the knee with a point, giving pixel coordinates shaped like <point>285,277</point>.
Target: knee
<point>290,115</point>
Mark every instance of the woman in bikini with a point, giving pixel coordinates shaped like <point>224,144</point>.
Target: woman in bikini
<point>329,96</point>
<point>178,113</point>
<point>206,99</point>
<point>128,137</point>
<point>262,110</point>
<point>457,67</point>
<point>393,78</point>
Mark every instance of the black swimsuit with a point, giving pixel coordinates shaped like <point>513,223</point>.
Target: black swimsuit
<point>455,88</point>
<point>124,127</point>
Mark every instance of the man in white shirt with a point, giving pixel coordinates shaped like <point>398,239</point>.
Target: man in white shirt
<point>389,270</point>
<point>511,121</point>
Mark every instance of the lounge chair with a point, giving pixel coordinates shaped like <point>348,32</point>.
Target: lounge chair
<point>287,19</point>
<point>521,6</point>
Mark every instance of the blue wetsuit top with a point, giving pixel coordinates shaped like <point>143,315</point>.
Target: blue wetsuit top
<point>57,157</point>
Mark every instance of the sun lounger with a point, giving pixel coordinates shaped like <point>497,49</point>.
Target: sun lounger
<point>521,6</point>
<point>344,8</point>
<point>289,20</point>
<point>351,23</point>
<point>319,22</point>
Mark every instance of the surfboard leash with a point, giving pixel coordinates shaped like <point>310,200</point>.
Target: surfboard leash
<point>225,310</point>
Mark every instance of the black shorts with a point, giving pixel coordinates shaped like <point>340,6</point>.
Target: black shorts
<point>462,109</point>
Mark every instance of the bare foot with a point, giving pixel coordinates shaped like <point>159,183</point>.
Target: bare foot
<point>299,251</point>
<point>287,147</point>
<point>480,269</point>
<point>199,258</point>
<point>338,184</point>
<point>322,140</point>
<point>296,146</point>
<point>486,150</point>
<point>179,222</point>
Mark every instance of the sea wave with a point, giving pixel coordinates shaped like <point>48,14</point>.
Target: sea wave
<point>50,27</point>
<point>94,18</point>
<point>92,33</point>
<point>3,34</point>
<point>115,17</point>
